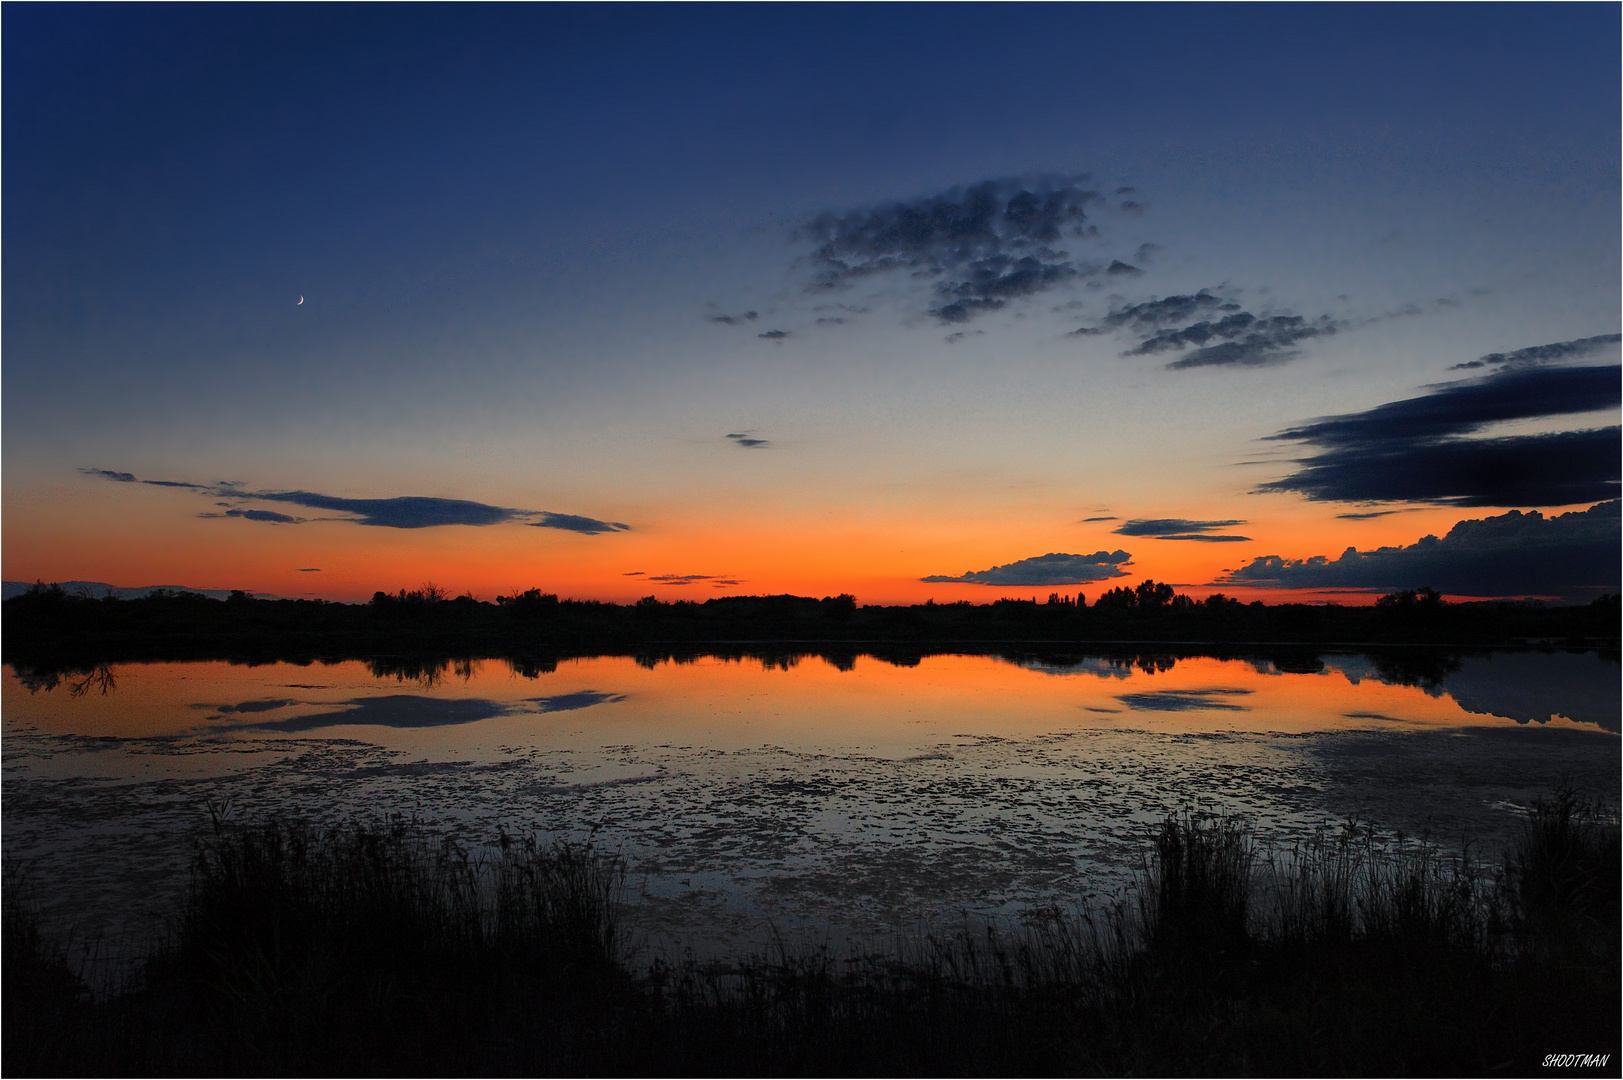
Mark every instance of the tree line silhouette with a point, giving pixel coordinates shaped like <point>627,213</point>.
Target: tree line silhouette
<point>47,624</point>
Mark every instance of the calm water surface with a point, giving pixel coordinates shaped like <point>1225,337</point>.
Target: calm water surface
<point>753,798</point>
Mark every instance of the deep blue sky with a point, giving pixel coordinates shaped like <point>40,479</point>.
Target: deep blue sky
<point>512,224</point>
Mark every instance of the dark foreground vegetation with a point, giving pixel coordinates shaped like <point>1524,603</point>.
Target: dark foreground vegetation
<point>48,626</point>
<point>381,950</point>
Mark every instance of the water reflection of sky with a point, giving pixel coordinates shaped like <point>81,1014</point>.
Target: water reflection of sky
<point>852,796</point>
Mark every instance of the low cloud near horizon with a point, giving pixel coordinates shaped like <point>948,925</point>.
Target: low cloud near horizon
<point>1573,556</point>
<point>400,512</point>
<point>1181,529</point>
<point>715,581</point>
<point>1055,568</point>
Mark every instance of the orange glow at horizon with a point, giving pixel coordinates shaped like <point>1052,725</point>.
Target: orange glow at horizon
<point>876,556</point>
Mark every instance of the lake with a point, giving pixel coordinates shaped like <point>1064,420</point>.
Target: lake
<point>841,799</point>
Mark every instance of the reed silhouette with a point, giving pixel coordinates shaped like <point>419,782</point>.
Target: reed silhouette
<point>382,948</point>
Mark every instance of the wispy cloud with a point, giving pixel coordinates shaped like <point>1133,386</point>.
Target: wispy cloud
<point>1543,354</point>
<point>265,515</point>
<point>1149,317</point>
<point>735,320</point>
<point>1213,328</point>
<point>401,512</point>
<point>1055,568</point>
<point>720,581</point>
<point>983,246</point>
<point>577,523</point>
<point>1181,529</point>
<point>1418,449</point>
<point>748,441</point>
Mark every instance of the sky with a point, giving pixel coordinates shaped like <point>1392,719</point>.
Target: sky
<point>910,302</point>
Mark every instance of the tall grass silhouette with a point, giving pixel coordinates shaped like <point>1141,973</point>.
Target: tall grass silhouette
<point>384,948</point>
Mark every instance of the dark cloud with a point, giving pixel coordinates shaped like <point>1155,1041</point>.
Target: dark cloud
<point>391,710</point>
<point>984,245</point>
<point>1105,517</point>
<point>1117,268</point>
<point>1415,450</point>
<point>735,320</point>
<point>1272,341</point>
<point>1181,529</point>
<point>1527,470</point>
<point>1151,316</point>
<point>404,512</point>
<point>1573,556</point>
<point>632,573</point>
<point>993,282</point>
<point>415,711</point>
<point>129,478</point>
<point>1183,700</point>
<point>1055,568</point>
<point>580,699</point>
<point>1366,515</point>
<point>719,581</point>
<point>1200,333</point>
<point>259,706</point>
<point>264,515</point>
<point>747,441</point>
<point>1457,408</point>
<point>577,524</point>
<point>774,335</point>
<point>1213,326</point>
<point>309,569</point>
<point>1543,354</point>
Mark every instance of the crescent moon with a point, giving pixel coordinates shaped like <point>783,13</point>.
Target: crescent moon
<point>301,300</point>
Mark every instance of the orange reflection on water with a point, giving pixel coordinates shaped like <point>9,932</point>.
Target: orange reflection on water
<point>810,704</point>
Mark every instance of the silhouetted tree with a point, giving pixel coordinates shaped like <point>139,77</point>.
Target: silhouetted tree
<point>530,602</point>
<point>1411,600</point>
<point>839,608</point>
<point>1153,595</point>
<point>1117,599</point>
